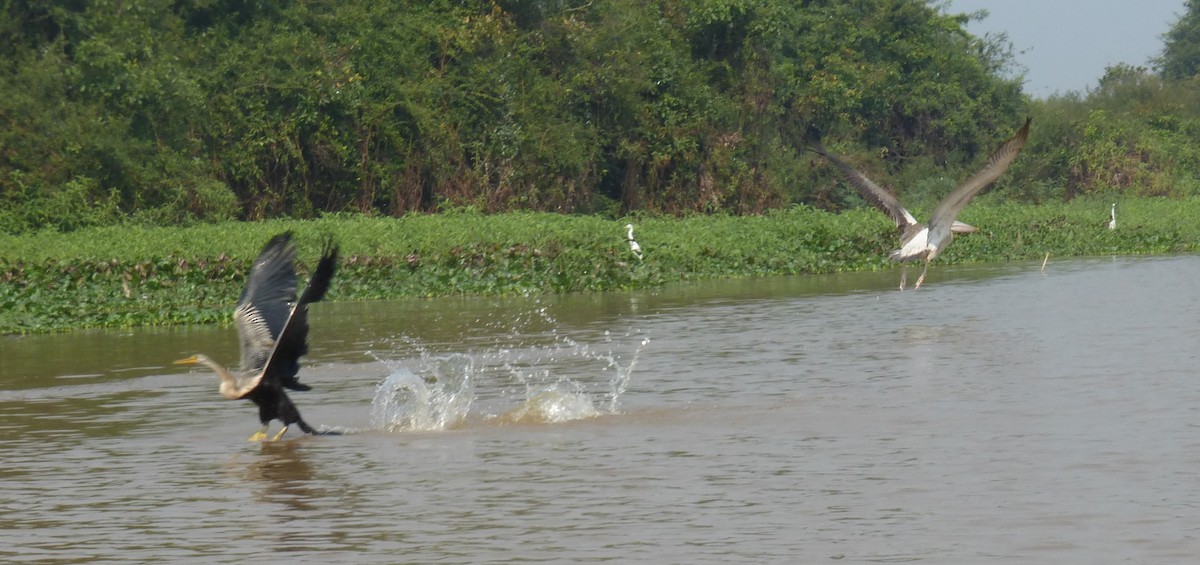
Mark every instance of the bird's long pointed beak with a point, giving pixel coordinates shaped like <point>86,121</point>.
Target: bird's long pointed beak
<point>187,361</point>
<point>962,228</point>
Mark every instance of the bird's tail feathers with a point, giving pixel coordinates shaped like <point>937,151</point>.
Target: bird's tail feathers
<point>312,431</point>
<point>294,384</point>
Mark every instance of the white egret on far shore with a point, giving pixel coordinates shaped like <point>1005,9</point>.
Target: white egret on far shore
<point>633,244</point>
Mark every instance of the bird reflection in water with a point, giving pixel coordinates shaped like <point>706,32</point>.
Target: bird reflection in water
<point>286,477</point>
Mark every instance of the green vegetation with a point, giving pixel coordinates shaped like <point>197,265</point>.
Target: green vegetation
<point>157,112</point>
<point>1180,59</point>
<point>124,276</point>
<point>154,112</point>
<point>1134,134</point>
<point>136,133</point>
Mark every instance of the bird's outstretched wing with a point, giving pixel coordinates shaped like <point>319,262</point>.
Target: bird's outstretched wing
<point>997,163</point>
<point>284,361</point>
<point>263,307</point>
<point>870,191</point>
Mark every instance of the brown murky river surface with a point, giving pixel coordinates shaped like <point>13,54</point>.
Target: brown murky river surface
<point>999,414</point>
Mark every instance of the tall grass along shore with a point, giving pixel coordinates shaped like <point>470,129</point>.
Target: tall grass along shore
<point>129,276</point>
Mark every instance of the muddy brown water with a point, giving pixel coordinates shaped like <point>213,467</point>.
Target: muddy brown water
<point>999,414</point>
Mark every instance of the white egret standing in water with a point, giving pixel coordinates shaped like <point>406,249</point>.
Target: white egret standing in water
<point>633,244</point>
<point>1112,217</point>
<point>920,241</point>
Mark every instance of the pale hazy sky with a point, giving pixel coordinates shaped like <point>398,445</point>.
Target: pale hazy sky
<point>1065,45</point>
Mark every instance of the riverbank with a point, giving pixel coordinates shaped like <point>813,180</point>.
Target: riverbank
<point>130,276</point>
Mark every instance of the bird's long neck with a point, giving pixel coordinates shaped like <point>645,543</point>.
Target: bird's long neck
<point>229,383</point>
<point>1113,213</point>
<point>630,236</point>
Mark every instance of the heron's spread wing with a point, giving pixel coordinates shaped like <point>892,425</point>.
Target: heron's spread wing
<point>284,360</point>
<point>997,163</point>
<point>262,310</point>
<point>870,191</point>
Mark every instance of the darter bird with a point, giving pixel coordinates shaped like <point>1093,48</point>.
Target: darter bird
<point>917,240</point>
<point>273,330</point>
<point>633,244</point>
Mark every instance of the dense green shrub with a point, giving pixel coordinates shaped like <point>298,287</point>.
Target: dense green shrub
<point>157,112</point>
<point>1133,134</point>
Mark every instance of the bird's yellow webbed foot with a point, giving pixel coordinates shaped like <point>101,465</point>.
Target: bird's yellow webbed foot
<point>280,434</point>
<point>260,435</point>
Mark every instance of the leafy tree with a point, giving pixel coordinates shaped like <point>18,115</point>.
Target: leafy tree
<point>1134,133</point>
<point>167,111</point>
<point>1180,58</point>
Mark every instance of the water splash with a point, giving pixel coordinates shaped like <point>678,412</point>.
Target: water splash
<point>553,404</point>
<point>524,376</point>
<point>439,400</point>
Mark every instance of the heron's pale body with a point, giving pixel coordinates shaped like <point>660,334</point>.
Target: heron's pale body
<point>1112,217</point>
<point>915,247</point>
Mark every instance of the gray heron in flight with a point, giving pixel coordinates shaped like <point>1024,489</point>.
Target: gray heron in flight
<point>273,332</point>
<point>921,241</point>
<point>633,244</point>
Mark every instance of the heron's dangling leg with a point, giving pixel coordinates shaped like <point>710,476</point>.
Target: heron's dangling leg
<point>903,274</point>
<point>280,434</point>
<point>922,277</point>
<point>259,435</point>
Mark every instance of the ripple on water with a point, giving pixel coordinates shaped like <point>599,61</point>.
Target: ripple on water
<point>997,415</point>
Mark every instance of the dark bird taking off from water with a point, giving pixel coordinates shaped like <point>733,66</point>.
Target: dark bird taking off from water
<point>917,240</point>
<point>273,330</point>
